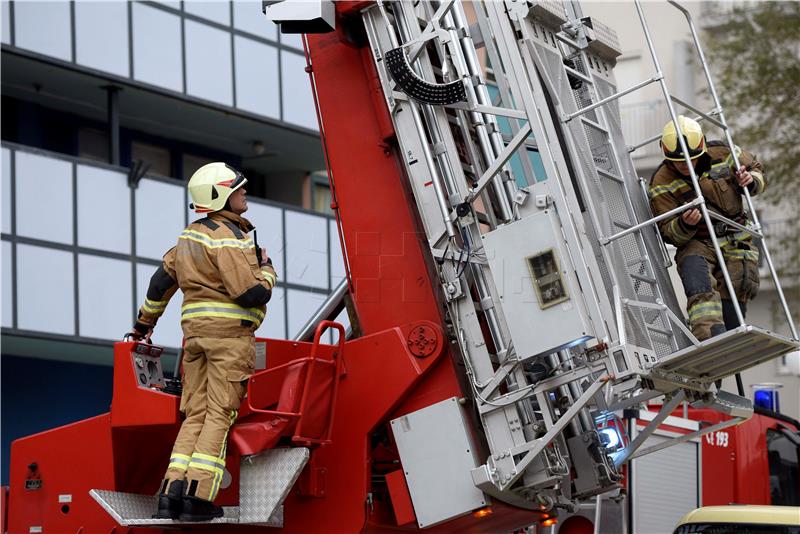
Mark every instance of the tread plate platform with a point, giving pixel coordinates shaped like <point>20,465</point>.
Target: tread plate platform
<point>727,354</point>
<point>264,482</point>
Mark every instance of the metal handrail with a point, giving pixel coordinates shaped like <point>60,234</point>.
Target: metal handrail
<point>732,147</point>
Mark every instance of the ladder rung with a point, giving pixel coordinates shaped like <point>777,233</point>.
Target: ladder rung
<point>578,74</point>
<point>643,278</point>
<point>593,124</point>
<point>609,175</point>
<point>658,330</point>
<point>637,261</point>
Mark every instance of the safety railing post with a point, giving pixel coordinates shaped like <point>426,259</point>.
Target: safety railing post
<point>693,175</point>
<point>729,139</point>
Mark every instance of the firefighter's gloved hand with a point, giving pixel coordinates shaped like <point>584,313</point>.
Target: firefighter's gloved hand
<point>140,332</point>
<point>265,259</point>
<point>692,216</point>
<point>743,177</point>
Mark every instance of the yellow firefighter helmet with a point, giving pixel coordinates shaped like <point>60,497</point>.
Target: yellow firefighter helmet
<point>692,134</point>
<point>212,184</point>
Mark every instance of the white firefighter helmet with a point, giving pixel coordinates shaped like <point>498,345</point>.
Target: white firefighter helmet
<point>212,184</point>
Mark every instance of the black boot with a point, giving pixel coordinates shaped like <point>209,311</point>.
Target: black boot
<point>196,509</point>
<point>170,503</point>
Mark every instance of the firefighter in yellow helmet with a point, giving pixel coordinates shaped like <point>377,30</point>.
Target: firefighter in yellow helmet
<point>226,282</point>
<point>710,306</point>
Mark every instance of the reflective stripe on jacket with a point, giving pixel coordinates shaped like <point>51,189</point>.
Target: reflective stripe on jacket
<point>668,190</point>
<point>225,290</point>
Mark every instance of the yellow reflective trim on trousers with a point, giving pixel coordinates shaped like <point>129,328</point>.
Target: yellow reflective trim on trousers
<point>705,309</point>
<point>208,458</point>
<point>221,460</point>
<point>179,466</point>
<point>747,255</point>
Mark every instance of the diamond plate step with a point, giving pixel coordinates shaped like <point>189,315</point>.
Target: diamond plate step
<point>727,354</point>
<point>264,482</point>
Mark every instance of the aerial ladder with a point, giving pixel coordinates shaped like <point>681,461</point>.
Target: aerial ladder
<point>507,286</point>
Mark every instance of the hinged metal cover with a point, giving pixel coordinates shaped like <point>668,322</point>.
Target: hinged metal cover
<point>437,455</point>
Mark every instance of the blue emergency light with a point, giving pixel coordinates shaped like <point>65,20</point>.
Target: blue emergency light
<point>766,395</point>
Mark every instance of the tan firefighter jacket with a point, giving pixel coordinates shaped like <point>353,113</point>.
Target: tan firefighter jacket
<point>225,290</point>
<point>715,171</point>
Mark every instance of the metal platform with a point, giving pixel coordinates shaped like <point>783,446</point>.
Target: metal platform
<point>264,482</point>
<point>727,354</point>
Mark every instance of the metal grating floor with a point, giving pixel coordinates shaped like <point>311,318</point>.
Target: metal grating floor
<point>727,354</point>
<point>265,481</point>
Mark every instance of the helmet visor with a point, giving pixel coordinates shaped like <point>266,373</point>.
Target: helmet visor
<point>677,154</point>
<point>237,182</point>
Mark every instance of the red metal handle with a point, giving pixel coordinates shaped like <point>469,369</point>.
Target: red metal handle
<point>337,356</point>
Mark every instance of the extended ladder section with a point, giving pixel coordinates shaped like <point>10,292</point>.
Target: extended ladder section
<point>550,262</point>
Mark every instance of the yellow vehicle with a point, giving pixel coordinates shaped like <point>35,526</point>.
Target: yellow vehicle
<point>741,520</point>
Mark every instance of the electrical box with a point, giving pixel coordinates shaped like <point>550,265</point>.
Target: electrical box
<point>537,285</point>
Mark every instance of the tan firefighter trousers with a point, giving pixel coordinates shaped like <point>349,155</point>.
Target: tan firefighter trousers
<point>709,303</point>
<point>215,371</point>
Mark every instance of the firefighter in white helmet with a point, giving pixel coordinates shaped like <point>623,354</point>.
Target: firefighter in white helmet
<point>226,282</point>
<point>710,304</point>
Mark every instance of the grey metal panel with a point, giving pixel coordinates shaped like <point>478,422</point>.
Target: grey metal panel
<point>129,509</point>
<point>265,481</point>
<point>437,455</point>
<point>535,330</point>
<point>726,354</point>
<point>665,486</point>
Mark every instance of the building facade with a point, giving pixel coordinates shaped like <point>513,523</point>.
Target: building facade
<point>108,108</point>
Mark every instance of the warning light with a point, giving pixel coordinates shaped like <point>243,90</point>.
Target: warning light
<point>549,522</point>
<point>483,512</point>
<point>767,396</point>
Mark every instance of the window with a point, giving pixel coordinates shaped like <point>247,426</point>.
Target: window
<point>6,20</point>
<point>784,475</point>
<point>321,194</point>
<point>247,16</point>
<point>191,163</point>
<point>45,281</point>
<point>157,157</point>
<point>306,250</point>
<point>298,102</point>
<point>43,185</point>
<point>257,77</point>
<point>208,63</point>
<point>157,47</point>
<point>93,144</point>
<point>215,11</point>
<point>44,27</point>
<point>101,36</point>
<point>104,209</point>
<point>104,296</point>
